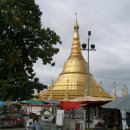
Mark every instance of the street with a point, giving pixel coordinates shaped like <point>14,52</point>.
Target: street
<point>13,129</point>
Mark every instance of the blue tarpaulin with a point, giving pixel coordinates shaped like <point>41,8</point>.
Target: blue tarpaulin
<point>2,103</point>
<point>54,102</point>
<point>33,102</point>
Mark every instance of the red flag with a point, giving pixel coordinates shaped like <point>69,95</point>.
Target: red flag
<point>66,105</point>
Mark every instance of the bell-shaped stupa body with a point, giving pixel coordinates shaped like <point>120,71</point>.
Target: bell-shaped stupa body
<point>73,81</point>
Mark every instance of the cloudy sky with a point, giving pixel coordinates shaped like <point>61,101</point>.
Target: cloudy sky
<point>109,21</point>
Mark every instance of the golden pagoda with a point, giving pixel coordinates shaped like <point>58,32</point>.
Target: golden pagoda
<point>72,81</point>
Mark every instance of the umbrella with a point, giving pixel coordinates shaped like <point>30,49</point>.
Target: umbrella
<point>122,103</point>
<point>67,105</point>
<point>89,100</point>
<point>54,102</point>
<point>2,103</point>
<point>33,102</point>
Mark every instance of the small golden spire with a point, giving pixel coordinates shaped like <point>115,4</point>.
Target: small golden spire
<point>125,91</point>
<point>115,95</point>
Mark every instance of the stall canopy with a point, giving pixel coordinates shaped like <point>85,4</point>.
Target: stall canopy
<point>33,102</point>
<point>67,105</point>
<point>54,102</point>
<point>89,100</point>
<point>122,103</point>
<point>2,103</point>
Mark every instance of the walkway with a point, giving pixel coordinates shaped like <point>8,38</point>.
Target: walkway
<point>13,129</point>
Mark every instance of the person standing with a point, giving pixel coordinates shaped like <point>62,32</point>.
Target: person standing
<point>36,124</point>
<point>29,125</point>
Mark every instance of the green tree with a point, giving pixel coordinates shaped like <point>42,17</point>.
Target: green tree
<point>22,42</point>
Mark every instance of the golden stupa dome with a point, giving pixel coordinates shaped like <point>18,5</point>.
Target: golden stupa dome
<point>72,81</point>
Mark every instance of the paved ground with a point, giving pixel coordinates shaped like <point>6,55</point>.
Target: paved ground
<point>13,129</point>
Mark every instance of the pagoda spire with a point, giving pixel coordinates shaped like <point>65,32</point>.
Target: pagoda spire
<point>76,47</point>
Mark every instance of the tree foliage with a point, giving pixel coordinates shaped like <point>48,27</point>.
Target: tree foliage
<point>22,42</point>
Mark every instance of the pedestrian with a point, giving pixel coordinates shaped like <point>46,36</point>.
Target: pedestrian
<point>36,123</point>
<point>37,127</point>
<point>29,125</point>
